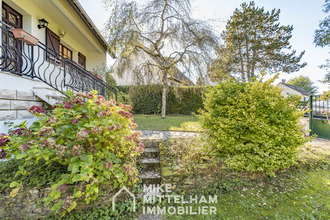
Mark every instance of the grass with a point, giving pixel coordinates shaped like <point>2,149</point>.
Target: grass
<point>300,192</point>
<point>170,123</point>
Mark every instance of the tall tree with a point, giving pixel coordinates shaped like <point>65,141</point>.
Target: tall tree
<point>165,31</point>
<point>254,41</point>
<point>305,83</point>
<point>322,37</point>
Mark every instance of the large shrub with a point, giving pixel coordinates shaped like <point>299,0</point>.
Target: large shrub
<point>94,138</point>
<point>252,125</point>
<point>180,100</point>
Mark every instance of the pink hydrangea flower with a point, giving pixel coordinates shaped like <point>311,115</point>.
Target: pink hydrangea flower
<point>129,138</point>
<point>82,135</point>
<point>3,140</point>
<point>52,120</point>
<point>101,114</point>
<point>75,121</point>
<point>77,150</point>
<point>46,131</point>
<point>36,109</point>
<point>68,105</point>
<point>24,147</point>
<point>125,114</point>
<point>78,101</point>
<point>97,130</point>
<point>3,154</point>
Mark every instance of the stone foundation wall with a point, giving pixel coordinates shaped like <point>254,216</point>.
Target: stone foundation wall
<point>14,104</point>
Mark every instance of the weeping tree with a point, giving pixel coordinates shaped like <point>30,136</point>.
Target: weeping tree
<point>255,41</point>
<point>165,31</point>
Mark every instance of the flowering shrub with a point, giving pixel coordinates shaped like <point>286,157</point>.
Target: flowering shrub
<point>252,126</point>
<point>93,137</point>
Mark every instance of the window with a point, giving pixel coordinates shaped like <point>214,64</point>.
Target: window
<point>65,52</point>
<point>11,17</point>
<point>82,60</point>
<point>54,46</point>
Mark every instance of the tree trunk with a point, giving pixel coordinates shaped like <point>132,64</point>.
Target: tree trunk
<point>164,94</point>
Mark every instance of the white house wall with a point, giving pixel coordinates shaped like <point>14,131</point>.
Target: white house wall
<point>288,91</point>
<point>61,17</point>
<point>128,75</point>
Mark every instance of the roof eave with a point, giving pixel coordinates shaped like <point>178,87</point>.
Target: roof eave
<point>90,24</point>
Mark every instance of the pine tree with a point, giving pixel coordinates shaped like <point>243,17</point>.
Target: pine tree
<point>322,38</point>
<point>254,41</point>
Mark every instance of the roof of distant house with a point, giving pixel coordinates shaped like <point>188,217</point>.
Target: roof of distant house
<point>298,89</point>
<point>90,24</point>
<point>177,74</point>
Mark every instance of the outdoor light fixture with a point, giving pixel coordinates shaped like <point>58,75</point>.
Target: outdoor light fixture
<point>42,23</point>
<point>61,33</point>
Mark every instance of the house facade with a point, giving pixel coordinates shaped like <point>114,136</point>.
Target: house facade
<point>147,72</point>
<point>47,48</point>
<point>294,90</point>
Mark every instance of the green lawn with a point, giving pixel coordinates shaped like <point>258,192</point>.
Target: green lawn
<point>302,194</point>
<point>299,192</point>
<point>170,123</point>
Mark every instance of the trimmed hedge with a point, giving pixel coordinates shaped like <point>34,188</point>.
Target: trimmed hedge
<point>180,100</point>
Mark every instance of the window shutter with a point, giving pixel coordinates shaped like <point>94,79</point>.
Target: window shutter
<point>82,60</point>
<point>52,43</point>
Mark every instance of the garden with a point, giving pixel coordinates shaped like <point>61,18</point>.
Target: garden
<point>249,152</point>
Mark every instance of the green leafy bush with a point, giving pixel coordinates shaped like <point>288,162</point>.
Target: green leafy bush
<point>180,100</point>
<point>41,174</point>
<point>253,126</point>
<point>95,140</point>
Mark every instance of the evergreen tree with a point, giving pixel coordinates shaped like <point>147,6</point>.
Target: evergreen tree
<point>322,35</point>
<point>254,41</point>
<point>322,38</point>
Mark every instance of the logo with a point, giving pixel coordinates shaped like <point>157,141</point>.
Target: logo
<point>118,193</point>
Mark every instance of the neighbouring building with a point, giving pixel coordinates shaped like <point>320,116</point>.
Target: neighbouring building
<point>148,74</point>
<point>294,90</point>
<point>47,48</point>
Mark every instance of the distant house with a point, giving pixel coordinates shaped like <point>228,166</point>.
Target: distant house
<point>47,48</point>
<point>146,74</point>
<point>293,90</point>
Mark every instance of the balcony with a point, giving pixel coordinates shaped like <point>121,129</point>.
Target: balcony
<point>40,62</point>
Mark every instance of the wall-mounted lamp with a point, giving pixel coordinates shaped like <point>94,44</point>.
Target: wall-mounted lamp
<point>61,33</point>
<point>42,23</point>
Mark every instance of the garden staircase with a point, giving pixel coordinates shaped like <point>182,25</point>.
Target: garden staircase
<point>151,172</point>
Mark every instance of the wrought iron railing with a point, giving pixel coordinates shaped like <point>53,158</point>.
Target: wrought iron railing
<point>42,63</point>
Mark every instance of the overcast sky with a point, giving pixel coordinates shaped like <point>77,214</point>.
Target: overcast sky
<point>304,15</point>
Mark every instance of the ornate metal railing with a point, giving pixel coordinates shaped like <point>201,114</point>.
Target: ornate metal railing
<point>42,63</point>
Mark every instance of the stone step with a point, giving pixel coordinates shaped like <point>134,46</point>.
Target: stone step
<point>150,164</point>
<point>150,177</point>
<point>150,153</point>
<point>151,143</point>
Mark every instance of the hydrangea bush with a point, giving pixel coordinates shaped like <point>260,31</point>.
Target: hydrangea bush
<point>253,126</point>
<point>93,137</point>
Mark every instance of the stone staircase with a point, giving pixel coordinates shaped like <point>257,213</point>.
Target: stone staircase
<point>151,170</point>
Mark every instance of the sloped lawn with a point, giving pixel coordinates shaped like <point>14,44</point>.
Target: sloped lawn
<point>300,192</point>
